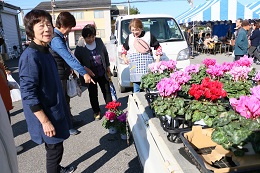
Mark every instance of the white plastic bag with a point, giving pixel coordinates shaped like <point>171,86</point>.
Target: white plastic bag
<point>233,54</point>
<point>73,88</point>
<point>15,92</point>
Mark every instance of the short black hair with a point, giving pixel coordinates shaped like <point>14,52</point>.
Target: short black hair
<point>65,19</point>
<point>33,17</point>
<point>88,30</point>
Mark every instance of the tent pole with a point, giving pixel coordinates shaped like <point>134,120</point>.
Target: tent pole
<point>192,48</point>
<point>192,51</point>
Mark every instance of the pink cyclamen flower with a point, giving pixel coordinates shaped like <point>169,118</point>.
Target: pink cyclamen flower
<point>244,61</point>
<point>110,115</point>
<point>193,68</point>
<point>207,62</point>
<point>255,91</point>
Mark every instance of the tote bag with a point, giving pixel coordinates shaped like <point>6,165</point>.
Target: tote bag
<point>15,92</point>
<point>73,88</point>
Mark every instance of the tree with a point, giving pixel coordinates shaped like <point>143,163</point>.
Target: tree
<point>134,10</point>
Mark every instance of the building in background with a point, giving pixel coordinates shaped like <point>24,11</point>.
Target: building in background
<point>86,12</point>
<point>9,29</point>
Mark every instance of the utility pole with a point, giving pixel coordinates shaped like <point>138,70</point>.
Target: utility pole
<point>128,12</point>
<point>53,5</point>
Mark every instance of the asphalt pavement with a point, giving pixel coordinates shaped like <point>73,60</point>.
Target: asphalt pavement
<point>93,150</point>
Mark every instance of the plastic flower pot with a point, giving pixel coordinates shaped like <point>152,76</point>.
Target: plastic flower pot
<point>123,136</point>
<point>112,130</point>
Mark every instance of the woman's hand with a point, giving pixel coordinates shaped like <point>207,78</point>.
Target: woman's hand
<point>126,61</point>
<point>88,79</point>
<point>48,129</point>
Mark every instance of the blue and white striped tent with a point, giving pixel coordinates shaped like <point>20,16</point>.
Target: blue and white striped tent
<point>217,10</point>
<point>255,7</point>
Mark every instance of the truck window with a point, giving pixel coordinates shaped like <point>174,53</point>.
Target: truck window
<point>164,29</point>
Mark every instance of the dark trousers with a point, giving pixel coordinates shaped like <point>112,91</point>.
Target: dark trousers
<point>64,87</point>
<point>252,51</point>
<point>93,92</point>
<point>54,154</point>
<point>237,57</point>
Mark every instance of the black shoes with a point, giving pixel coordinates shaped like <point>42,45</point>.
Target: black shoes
<point>68,169</point>
<point>74,132</point>
<point>257,62</point>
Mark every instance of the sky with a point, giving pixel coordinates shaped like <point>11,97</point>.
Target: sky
<point>170,7</point>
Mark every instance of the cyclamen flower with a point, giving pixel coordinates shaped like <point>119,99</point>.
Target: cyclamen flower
<point>239,73</point>
<point>247,106</point>
<point>167,87</point>
<point>193,68</point>
<point>257,76</point>
<point>171,64</point>
<point>180,77</point>
<point>110,115</point>
<point>216,70</point>
<point>122,117</point>
<point>255,91</point>
<point>211,90</point>
<point>227,66</point>
<point>244,61</point>
<point>113,105</point>
<point>207,62</point>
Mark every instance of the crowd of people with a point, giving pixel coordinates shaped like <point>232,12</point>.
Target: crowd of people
<point>244,41</point>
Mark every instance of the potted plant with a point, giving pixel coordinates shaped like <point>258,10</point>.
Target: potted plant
<point>157,71</point>
<point>110,121</point>
<point>121,126</point>
<point>115,119</point>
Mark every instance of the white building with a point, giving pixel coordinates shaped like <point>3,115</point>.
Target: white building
<point>9,29</point>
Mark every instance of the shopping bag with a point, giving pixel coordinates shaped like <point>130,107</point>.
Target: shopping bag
<point>73,88</point>
<point>15,92</point>
<point>112,88</point>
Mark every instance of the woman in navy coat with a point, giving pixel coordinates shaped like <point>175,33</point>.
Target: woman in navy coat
<point>44,105</point>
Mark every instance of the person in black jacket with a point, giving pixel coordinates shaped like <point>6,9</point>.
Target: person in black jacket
<point>255,40</point>
<point>92,53</point>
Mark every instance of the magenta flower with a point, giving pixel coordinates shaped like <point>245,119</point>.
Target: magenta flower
<point>207,62</point>
<point>239,73</point>
<point>110,115</point>
<point>244,61</point>
<point>216,70</point>
<point>193,68</point>
<point>180,77</point>
<point>255,91</point>
<point>168,87</point>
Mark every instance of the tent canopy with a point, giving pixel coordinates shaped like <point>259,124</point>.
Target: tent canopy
<point>255,7</point>
<point>218,10</point>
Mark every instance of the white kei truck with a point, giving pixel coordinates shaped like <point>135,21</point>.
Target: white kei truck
<point>164,28</point>
<point>155,152</point>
